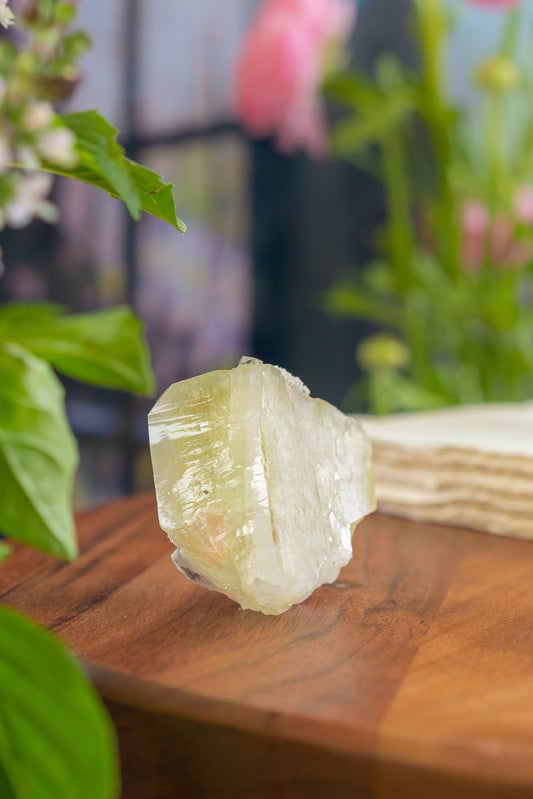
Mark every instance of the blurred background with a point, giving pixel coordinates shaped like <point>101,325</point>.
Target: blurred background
<point>267,234</point>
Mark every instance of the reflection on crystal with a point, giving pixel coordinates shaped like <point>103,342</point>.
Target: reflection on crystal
<point>258,485</point>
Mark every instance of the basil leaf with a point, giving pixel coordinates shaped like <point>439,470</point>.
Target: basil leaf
<point>56,741</point>
<point>5,552</point>
<point>99,151</point>
<point>102,163</point>
<point>105,348</point>
<point>38,455</point>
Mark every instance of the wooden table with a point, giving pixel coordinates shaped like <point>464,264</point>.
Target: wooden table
<point>411,676</point>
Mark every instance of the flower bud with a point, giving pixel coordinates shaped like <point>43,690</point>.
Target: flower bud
<point>498,74</point>
<point>57,146</point>
<point>7,17</point>
<point>38,116</point>
<point>382,351</point>
<point>27,157</point>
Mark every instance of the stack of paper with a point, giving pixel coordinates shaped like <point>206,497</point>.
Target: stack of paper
<point>470,466</point>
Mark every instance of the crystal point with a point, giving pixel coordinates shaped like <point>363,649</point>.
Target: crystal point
<point>259,486</point>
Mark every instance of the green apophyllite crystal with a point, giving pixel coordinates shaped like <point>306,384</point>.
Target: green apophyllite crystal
<point>258,485</point>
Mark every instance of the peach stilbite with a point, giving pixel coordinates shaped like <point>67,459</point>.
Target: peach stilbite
<point>259,486</point>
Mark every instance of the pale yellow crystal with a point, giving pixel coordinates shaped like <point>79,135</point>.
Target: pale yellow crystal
<point>258,485</point>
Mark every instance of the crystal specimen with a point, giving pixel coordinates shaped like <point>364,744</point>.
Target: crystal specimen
<point>259,486</point>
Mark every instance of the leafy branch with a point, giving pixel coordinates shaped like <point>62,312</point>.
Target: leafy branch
<point>102,163</point>
<point>56,740</point>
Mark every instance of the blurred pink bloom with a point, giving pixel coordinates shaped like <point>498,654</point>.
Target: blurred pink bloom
<point>524,204</point>
<point>495,3</point>
<point>280,69</point>
<point>474,225</point>
<point>479,236</point>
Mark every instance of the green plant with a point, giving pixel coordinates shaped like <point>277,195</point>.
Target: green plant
<point>452,283</point>
<point>56,741</point>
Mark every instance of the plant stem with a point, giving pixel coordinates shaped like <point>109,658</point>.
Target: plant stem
<point>495,154</point>
<point>399,220</point>
<point>418,336</point>
<point>498,166</point>
<point>431,27</point>
<point>510,32</point>
<point>401,250</point>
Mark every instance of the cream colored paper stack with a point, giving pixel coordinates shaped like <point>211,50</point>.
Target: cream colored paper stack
<point>470,466</point>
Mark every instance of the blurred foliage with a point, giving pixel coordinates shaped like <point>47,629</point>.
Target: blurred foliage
<point>453,277</point>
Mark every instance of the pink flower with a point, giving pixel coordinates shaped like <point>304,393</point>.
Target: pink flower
<point>524,205</point>
<point>498,239</point>
<point>474,224</point>
<point>280,68</point>
<point>495,3</point>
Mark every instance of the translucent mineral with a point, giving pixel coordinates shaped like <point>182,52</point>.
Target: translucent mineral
<point>259,486</point>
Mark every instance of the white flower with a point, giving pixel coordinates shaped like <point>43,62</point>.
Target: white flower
<point>27,157</point>
<point>29,200</point>
<point>57,145</point>
<point>7,17</point>
<point>38,116</point>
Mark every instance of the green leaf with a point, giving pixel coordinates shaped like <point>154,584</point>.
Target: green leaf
<point>14,313</point>
<point>37,455</point>
<point>105,348</point>
<point>5,552</point>
<point>347,299</point>
<point>352,89</point>
<point>56,740</point>
<point>6,789</point>
<point>99,151</point>
<point>389,73</point>
<point>371,124</point>
<point>399,393</point>
<point>102,163</point>
<point>156,197</point>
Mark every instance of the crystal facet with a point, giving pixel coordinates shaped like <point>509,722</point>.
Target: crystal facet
<point>259,486</point>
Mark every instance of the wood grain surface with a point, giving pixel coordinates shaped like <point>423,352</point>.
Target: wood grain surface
<point>411,676</point>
